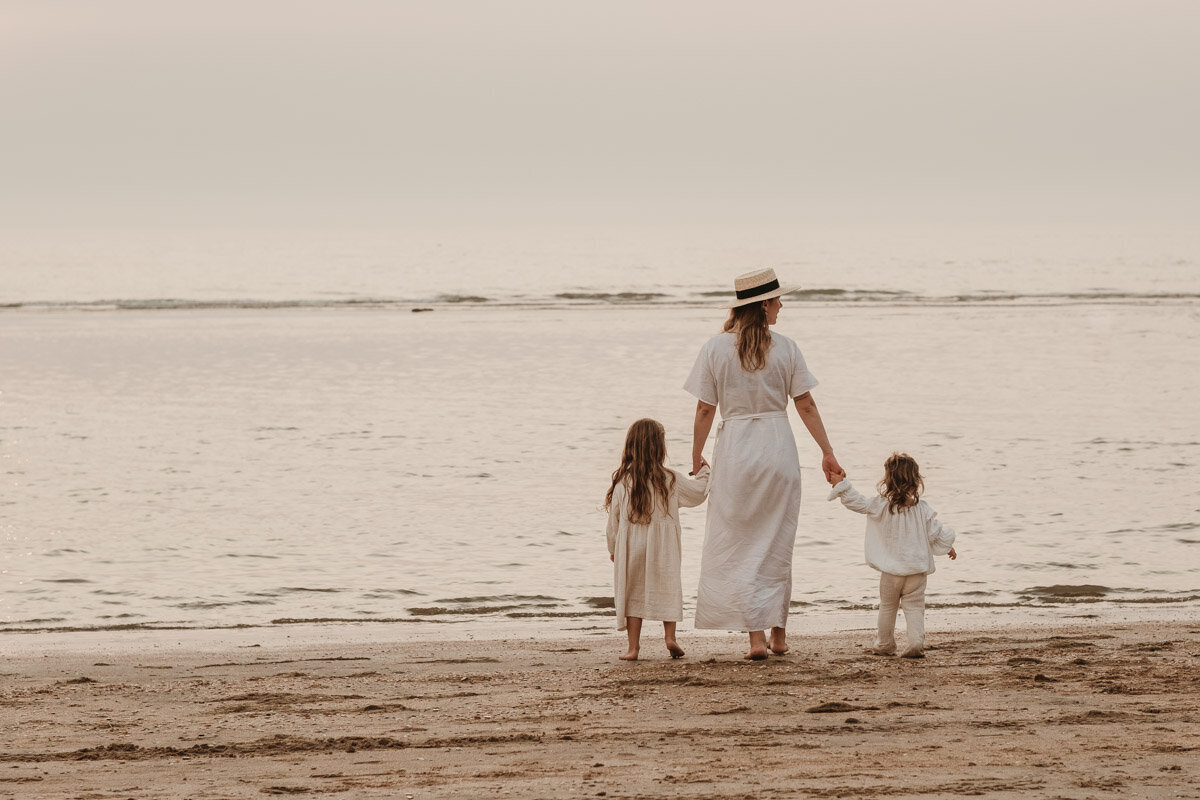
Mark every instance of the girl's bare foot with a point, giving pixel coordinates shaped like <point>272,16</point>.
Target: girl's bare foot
<point>779,641</point>
<point>630,656</point>
<point>675,650</point>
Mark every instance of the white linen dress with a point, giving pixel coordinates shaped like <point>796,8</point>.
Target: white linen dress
<point>648,557</point>
<point>754,492</point>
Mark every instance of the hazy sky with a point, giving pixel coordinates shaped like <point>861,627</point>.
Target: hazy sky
<point>1020,109</point>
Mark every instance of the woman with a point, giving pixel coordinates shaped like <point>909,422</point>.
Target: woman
<point>751,374</point>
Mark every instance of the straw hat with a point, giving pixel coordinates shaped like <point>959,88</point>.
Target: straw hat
<point>754,287</point>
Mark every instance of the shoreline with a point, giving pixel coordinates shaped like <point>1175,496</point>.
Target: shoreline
<point>1074,710</point>
<point>354,633</point>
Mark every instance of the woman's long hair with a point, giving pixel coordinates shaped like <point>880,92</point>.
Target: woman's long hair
<point>642,463</point>
<point>902,483</point>
<point>749,322</point>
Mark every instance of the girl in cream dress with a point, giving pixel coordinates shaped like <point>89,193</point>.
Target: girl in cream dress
<point>643,505</point>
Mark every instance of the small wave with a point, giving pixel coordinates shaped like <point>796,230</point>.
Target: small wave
<point>309,589</point>
<point>1068,590</point>
<point>319,620</point>
<point>613,297</point>
<point>442,611</point>
<point>558,614</point>
<point>125,626</point>
<point>1157,600</point>
<point>503,598</point>
<point>208,605</point>
<point>462,298</point>
<point>1178,526</point>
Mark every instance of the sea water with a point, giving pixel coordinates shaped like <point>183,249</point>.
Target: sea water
<point>199,452</point>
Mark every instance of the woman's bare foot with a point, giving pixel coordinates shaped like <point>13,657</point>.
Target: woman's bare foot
<point>779,641</point>
<point>630,656</point>
<point>758,647</point>
<point>675,650</point>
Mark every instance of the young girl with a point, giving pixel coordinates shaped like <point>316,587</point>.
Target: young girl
<point>903,536</point>
<point>643,534</point>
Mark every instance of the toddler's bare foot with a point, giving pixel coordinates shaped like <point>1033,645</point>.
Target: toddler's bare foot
<point>630,656</point>
<point>675,650</point>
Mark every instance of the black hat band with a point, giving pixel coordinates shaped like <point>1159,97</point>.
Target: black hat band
<point>757,290</point>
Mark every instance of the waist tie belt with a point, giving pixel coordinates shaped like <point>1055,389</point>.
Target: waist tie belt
<point>752,417</point>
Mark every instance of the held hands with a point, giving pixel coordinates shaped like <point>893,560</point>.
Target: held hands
<point>697,463</point>
<point>832,468</point>
<point>953,555</point>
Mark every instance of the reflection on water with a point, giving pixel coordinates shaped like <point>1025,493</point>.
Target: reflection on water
<point>212,468</point>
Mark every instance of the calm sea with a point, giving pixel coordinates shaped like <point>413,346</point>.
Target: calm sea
<point>416,429</point>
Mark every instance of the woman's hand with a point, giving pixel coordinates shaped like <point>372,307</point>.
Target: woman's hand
<point>837,477</point>
<point>953,555</point>
<point>697,465</point>
<point>832,468</point>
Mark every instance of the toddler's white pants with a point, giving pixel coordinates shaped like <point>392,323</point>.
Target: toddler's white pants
<point>907,592</point>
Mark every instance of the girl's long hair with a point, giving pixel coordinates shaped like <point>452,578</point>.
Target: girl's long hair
<point>749,322</point>
<point>642,464</point>
<point>902,483</point>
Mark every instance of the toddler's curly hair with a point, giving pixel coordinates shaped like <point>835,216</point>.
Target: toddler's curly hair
<point>902,483</point>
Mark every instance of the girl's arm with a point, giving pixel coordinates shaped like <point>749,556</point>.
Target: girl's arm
<point>692,491</point>
<point>614,518</point>
<point>700,430</point>
<point>941,538</point>
<point>852,499</point>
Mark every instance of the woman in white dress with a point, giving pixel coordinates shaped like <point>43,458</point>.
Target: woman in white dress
<point>752,374</point>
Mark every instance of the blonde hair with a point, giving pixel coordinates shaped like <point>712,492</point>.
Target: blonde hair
<point>902,483</point>
<point>749,322</point>
<point>642,464</point>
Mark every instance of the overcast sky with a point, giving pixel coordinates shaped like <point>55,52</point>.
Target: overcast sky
<point>1015,109</point>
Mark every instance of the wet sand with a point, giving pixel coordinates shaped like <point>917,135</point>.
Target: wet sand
<point>1079,711</point>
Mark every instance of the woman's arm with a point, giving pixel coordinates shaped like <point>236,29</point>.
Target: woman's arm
<point>700,430</point>
<point>807,407</point>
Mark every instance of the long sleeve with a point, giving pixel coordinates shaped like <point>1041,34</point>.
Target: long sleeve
<point>852,499</point>
<point>691,491</point>
<point>941,537</point>
<point>614,517</point>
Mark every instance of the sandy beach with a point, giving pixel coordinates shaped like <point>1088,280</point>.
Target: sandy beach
<point>1078,711</point>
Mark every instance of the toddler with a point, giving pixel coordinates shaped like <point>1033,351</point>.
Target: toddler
<point>643,505</point>
<point>903,536</point>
